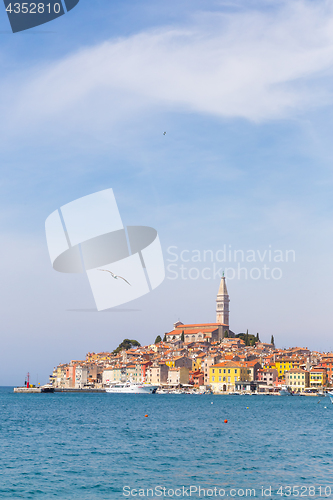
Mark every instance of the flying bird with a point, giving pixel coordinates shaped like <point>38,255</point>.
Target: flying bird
<point>114,275</point>
<point>164,133</point>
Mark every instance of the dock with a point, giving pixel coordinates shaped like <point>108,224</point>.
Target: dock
<point>27,390</point>
<point>78,391</point>
<point>34,390</point>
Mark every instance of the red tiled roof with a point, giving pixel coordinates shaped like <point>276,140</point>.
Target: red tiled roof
<point>200,325</point>
<point>227,364</point>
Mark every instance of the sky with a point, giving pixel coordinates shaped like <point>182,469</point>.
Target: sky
<point>244,91</point>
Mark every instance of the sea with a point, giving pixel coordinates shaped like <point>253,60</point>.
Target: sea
<point>115,446</point>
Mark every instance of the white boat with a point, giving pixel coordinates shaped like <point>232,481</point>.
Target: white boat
<point>284,391</point>
<point>131,388</point>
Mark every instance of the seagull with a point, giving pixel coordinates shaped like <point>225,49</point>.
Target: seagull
<point>114,275</point>
<point>164,133</point>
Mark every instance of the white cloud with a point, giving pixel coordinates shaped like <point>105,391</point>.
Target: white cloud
<point>255,65</point>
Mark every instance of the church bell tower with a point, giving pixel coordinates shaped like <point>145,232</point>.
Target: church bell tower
<point>222,304</point>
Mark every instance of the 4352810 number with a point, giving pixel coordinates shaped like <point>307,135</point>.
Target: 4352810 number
<point>33,8</point>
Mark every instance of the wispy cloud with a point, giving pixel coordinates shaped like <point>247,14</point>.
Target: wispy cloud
<point>258,65</point>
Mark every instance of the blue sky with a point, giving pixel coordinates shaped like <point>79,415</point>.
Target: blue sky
<point>244,91</point>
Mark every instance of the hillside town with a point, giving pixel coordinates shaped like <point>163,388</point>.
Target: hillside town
<point>201,357</point>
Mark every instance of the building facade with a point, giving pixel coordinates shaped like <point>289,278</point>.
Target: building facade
<point>223,376</point>
<point>158,374</point>
<point>177,376</point>
<point>318,378</point>
<point>297,379</point>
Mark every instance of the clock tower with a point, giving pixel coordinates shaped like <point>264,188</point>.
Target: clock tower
<point>222,304</point>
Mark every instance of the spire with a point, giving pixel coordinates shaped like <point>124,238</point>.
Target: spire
<point>223,287</point>
<point>222,304</point>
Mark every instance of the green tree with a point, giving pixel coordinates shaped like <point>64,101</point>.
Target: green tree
<point>226,334</point>
<point>158,339</point>
<point>248,338</point>
<point>272,340</point>
<point>164,338</point>
<point>182,338</point>
<point>257,338</point>
<point>126,344</point>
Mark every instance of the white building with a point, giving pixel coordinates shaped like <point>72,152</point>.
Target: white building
<point>81,376</point>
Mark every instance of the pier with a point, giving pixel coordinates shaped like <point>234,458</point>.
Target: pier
<point>28,390</point>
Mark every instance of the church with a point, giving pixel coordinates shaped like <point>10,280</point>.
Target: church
<point>206,332</point>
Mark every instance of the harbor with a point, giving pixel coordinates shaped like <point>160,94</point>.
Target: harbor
<point>201,358</point>
<point>129,388</point>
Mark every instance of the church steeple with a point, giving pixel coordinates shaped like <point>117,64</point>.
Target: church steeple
<point>222,303</point>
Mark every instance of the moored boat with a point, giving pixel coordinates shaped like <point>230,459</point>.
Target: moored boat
<point>47,388</point>
<point>131,388</point>
<point>285,391</point>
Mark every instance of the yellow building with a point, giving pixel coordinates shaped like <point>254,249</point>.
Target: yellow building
<point>318,378</point>
<point>297,379</point>
<point>179,361</point>
<point>223,376</point>
<point>58,378</point>
<point>285,365</point>
<point>196,363</point>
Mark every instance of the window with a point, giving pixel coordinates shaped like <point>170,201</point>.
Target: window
<point>220,370</point>
<point>219,379</point>
<point>213,370</point>
<point>235,370</point>
<point>229,372</point>
<point>223,379</point>
<point>228,379</point>
<point>223,371</point>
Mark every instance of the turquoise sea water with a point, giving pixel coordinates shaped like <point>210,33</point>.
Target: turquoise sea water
<point>91,446</point>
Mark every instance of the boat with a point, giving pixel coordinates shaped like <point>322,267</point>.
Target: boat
<point>47,388</point>
<point>132,388</point>
<point>284,391</point>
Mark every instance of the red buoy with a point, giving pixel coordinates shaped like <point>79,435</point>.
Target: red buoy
<point>226,421</point>
<point>146,415</point>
